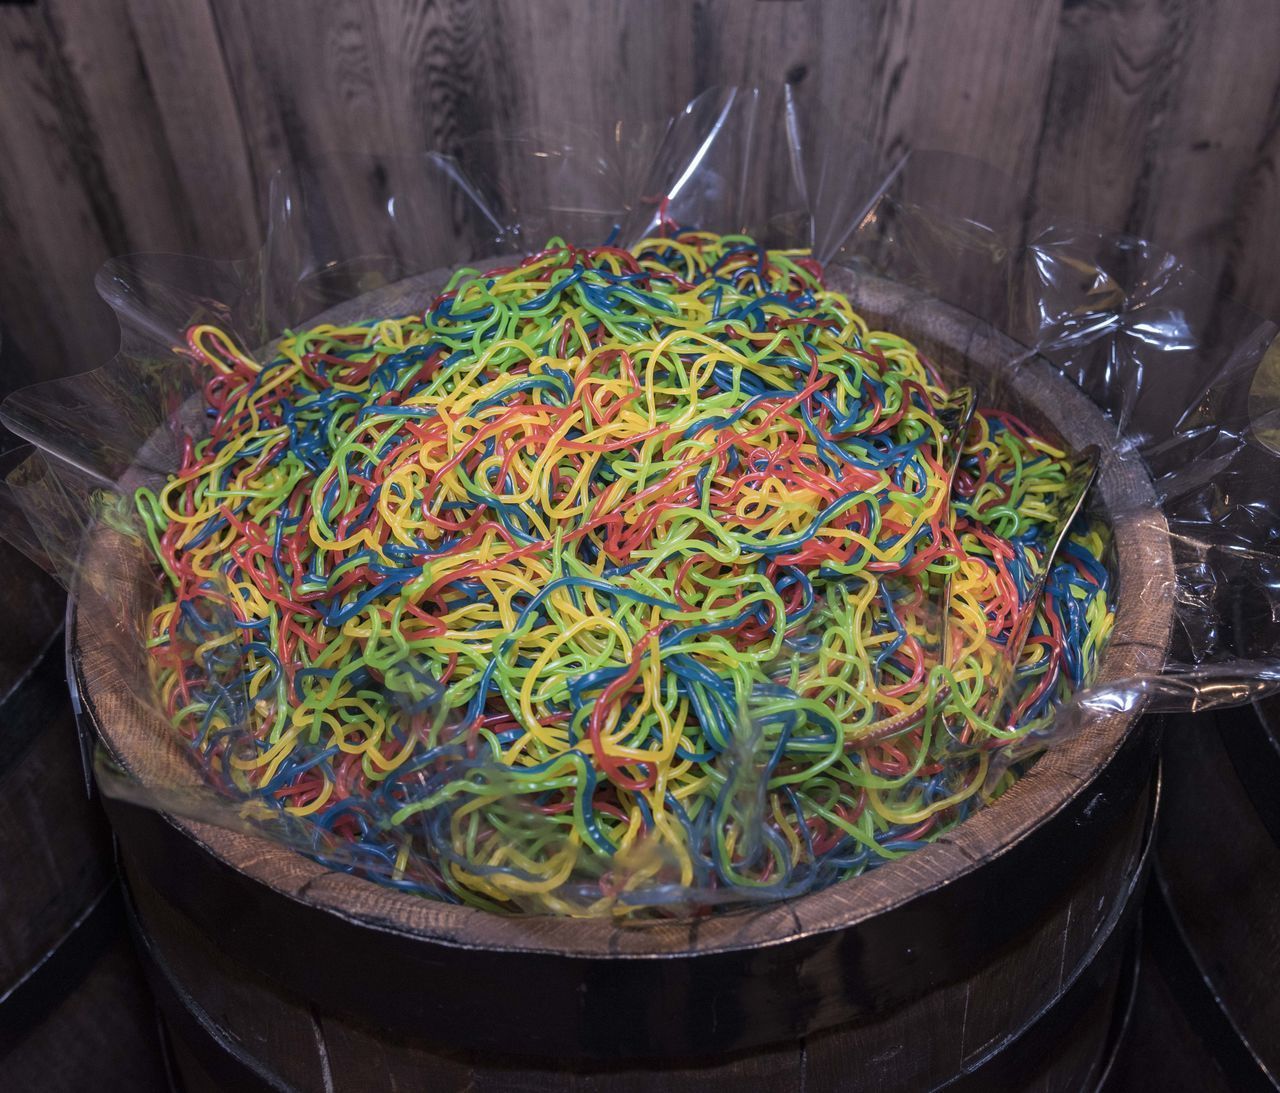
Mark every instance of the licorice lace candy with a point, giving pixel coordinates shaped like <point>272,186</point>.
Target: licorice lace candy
<point>616,579</point>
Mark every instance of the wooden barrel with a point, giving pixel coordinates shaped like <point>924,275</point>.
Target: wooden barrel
<point>1216,928</point>
<point>943,969</point>
<point>73,1003</point>
<point>210,1004</point>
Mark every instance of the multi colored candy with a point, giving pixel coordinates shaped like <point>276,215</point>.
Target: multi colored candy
<point>615,579</point>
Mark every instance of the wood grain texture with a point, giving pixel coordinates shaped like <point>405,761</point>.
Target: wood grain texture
<point>1112,82</point>
<point>53,236</point>
<point>1157,123</point>
<point>189,84</point>
<point>158,124</point>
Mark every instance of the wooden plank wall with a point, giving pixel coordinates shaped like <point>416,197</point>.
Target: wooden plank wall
<point>132,125</point>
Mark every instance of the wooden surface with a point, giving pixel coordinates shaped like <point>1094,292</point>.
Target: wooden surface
<point>155,124</point>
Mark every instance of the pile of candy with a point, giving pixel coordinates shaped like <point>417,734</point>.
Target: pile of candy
<point>618,578</point>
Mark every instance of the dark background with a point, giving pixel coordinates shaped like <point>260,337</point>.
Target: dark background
<point>131,125</point>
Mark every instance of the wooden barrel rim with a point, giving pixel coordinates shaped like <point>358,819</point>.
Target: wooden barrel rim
<point>1052,789</point>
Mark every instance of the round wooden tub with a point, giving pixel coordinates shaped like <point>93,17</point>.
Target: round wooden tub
<point>1214,928</point>
<point>984,959</point>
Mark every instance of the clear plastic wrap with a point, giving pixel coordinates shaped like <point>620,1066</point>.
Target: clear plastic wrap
<point>1186,400</point>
